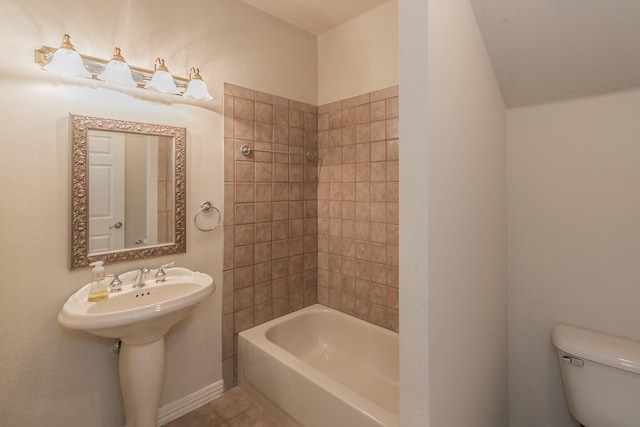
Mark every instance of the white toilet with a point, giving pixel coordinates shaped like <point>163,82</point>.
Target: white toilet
<point>601,376</point>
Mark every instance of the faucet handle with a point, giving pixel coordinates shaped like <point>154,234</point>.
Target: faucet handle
<point>161,274</point>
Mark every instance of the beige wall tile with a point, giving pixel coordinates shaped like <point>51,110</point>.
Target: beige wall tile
<point>310,121</point>
<point>281,115</point>
<point>327,108</point>
<point>242,277</point>
<point>243,256</point>
<point>303,106</point>
<point>239,91</point>
<point>263,172</point>
<point>377,314</point>
<point>227,292</point>
<point>378,171</point>
<point>349,118</point>
<point>244,192</point>
<point>296,118</point>
<point>392,128</point>
<point>264,112</point>
<point>243,298</point>
<point>244,109</point>
<point>377,111</point>
<point>229,245</point>
<point>362,132</point>
<point>356,100</point>
<point>262,272</point>
<point>280,306</point>
<point>378,191</point>
<point>262,252</point>
<point>392,109</point>
<point>244,172</point>
<point>244,214</point>
<point>362,113</point>
<point>378,151</point>
<point>392,149</point>
<point>393,255</point>
<point>384,93</point>
<point>243,320</point>
<point>263,313</point>
<point>244,235</point>
<point>227,336</point>
<point>263,133</point>
<point>243,129</point>
<point>271,99</point>
<point>363,153</point>
<point>393,320</point>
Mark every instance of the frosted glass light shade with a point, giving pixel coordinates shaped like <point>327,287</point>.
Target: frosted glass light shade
<point>162,80</point>
<point>67,62</point>
<point>117,71</point>
<point>197,89</point>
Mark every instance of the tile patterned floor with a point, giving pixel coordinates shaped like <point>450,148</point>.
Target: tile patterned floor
<point>233,409</point>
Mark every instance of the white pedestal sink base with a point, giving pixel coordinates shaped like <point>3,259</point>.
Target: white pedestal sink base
<point>141,376</point>
<point>140,317</point>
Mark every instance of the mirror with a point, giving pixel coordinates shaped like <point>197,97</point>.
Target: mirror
<point>128,190</point>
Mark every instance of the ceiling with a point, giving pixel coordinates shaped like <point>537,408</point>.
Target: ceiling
<point>541,50</point>
<point>315,16</point>
<point>549,50</point>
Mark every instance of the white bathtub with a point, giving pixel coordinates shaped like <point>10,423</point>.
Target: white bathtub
<point>318,367</point>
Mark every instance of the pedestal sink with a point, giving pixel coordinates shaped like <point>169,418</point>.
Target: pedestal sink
<point>140,317</point>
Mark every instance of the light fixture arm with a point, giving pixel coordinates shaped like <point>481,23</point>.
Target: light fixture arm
<point>194,73</point>
<point>66,42</point>
<point>117,55</point>
<point>159,65</point>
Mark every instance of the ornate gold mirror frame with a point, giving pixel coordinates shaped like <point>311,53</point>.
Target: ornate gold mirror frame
<point>80,127</point>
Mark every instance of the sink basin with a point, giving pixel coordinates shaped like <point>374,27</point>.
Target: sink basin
<point>138,313</point>
<point>140,317</point>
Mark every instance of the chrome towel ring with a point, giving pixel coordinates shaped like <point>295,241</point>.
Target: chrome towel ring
<point>207,207</point>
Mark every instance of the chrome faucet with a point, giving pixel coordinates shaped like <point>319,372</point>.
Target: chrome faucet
<point>116,284</point>
<point>161,274</point>
<point>141,276</point>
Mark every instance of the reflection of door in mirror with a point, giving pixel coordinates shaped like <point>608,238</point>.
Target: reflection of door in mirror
<point>131,200</point>
<point>106,191</point>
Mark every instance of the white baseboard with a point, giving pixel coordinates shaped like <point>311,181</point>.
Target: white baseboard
<point>188,403</point>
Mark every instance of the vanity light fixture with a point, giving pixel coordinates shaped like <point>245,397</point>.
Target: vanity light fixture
<point>66,61</point>
<point>162,80</point>
<point>197,88</point>
<point>117,71</point>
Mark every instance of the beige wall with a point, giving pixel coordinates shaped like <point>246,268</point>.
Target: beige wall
<point>57,377</point>
<point>453,311</point>
<point>573,238</point>
<point>359,56</point>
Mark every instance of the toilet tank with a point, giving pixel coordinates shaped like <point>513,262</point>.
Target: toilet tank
<point>601,376</point>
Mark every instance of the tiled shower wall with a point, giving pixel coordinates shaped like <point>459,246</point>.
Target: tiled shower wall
<point>270,227</point>
<point>358,206</point>
<point>300,231</point>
